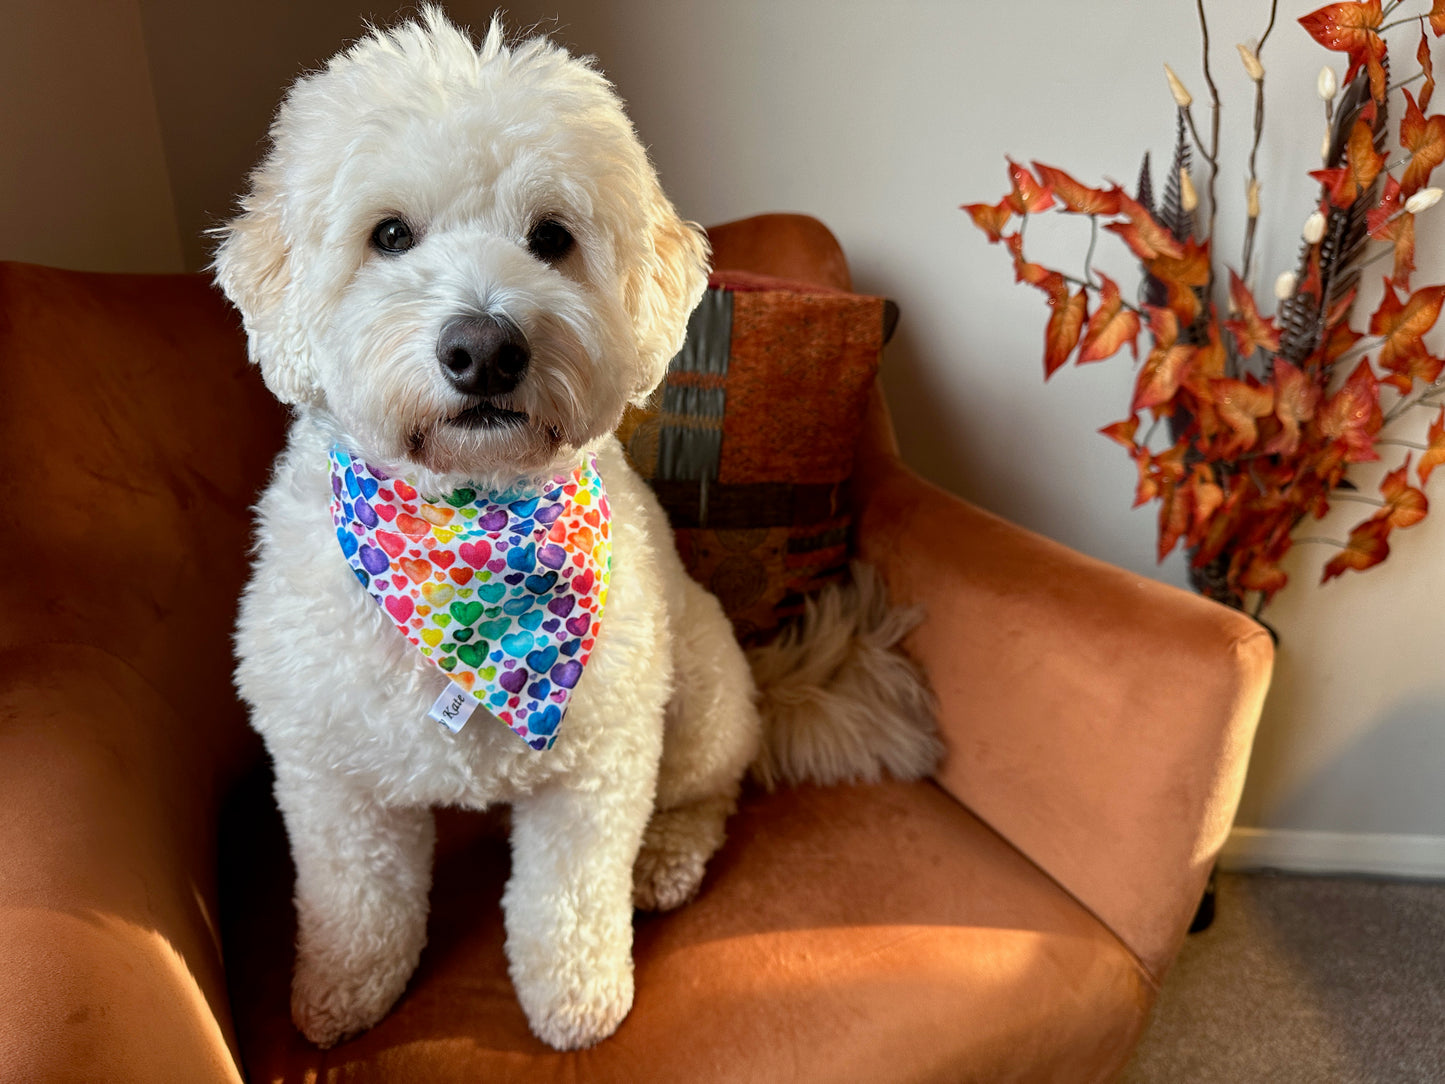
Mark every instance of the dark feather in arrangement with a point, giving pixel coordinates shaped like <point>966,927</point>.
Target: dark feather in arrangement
<point>1302,316</point>
<point>1171,213</point>
<point>1146,185</point>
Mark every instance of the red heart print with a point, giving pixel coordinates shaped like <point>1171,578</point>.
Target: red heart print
<point>392,543</point>
<point>460,575</point>
<point>592,518</point>
<point>475,553</point>
<point>398,582</point>
<point>417,571</point>
<point>582,584</point>
<point>404,491</point>
<point>443,558</point>
<point>400,607</point>
<point>413,528</point>
<point>386,512</point>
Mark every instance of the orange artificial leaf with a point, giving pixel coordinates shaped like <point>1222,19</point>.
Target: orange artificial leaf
<point>1435,452</point>
<point>1062,334</point>
<point>1183,276</point>
<point>1391,202</point>
<point>1351,417</point>
<point>1402,233</point>
<point>1403,326</point>
<point>1175,515</point>
<point>1296,398</point>
<point>1143,234</point>
<point>1351,28</point>
<point>1340,340</point>
<point>1437,17</point>
<point>1405,505</point>
<point>1240,404</point>
<point>1426,368</point>
<point>1160,376</point>
<point>1387,222</point>
<point>1422,57</point>
<point>1211,360</point>
<point>1158,474</point>
<point>1028,196</point>
<point>1078,197</point>
<point>1050,282</point>
<point>1368,545</point>
<point>1251,331</point>
<point>1148,487</point>
<point>1207,496</point>
<point>1163,370</point>
<point>1425,140</point>
<point>1362,165</point>
<point>1124,432</point>
<point>989,217</point>
<point>1262,574</point>
<point>1111,326</point>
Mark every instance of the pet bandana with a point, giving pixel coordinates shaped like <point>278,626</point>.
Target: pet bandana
<point>501,591</point>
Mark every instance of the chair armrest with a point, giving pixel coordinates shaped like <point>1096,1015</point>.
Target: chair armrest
<point>110,967</point>
<point>1098,720</point>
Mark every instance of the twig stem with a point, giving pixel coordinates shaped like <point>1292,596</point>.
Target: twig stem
<point>1253,222</point>
<point>1213,154</point>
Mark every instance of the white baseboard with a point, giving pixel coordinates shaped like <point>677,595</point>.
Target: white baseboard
<point>1374,854</point>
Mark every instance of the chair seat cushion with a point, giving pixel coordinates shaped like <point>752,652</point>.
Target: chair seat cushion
<point>874,933</point>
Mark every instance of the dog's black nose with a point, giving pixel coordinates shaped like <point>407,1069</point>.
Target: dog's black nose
<point>481,355</point>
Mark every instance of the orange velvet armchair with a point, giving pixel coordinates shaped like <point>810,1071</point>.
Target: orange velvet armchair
<point>1010,920</point>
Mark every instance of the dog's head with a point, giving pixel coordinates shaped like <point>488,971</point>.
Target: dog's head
<point>461,253</point>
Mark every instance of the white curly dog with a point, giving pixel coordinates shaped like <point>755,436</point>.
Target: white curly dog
<point>455,262</point>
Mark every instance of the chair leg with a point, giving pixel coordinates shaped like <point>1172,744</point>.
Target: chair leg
<point>1204,916</point>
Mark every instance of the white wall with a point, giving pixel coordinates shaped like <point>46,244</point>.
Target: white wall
<point>881,120</point>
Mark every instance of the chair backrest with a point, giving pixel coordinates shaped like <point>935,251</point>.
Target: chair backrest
<point>786,246</point>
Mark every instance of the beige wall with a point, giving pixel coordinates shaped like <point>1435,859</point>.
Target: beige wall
<point>83,180</point>
<point>219,70</point>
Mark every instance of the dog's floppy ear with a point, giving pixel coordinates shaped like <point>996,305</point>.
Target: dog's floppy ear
<point>253,266</point>
<point>663,292</point>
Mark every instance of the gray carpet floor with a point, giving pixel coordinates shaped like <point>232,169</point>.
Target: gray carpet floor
<point>1316,980</point>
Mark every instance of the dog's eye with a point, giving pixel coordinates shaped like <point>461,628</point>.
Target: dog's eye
<point>549,240</point>
<point>392,236</point>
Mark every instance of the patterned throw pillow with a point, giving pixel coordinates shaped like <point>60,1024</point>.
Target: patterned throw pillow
<point>749,442</point>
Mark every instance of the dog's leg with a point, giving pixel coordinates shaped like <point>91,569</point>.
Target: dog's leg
<point>712,736</point>
<point>568,907</point>
<point>363,872</point>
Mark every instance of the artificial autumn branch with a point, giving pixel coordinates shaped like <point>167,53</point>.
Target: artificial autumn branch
<point>1263,417</point>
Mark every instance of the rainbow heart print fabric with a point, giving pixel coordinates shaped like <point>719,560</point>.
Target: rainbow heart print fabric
<point>503,592</point>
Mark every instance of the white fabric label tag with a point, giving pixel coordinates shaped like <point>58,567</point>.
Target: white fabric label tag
<point>454,707</point>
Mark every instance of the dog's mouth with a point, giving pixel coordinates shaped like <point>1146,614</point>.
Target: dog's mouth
<point>486,415</point>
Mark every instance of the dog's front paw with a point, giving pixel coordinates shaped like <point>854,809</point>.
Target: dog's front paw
<point>328,1008</point>
<point>578,1009</point>
<point>675,851</point>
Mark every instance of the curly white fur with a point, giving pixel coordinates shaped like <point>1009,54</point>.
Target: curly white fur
<point>471,147</point>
